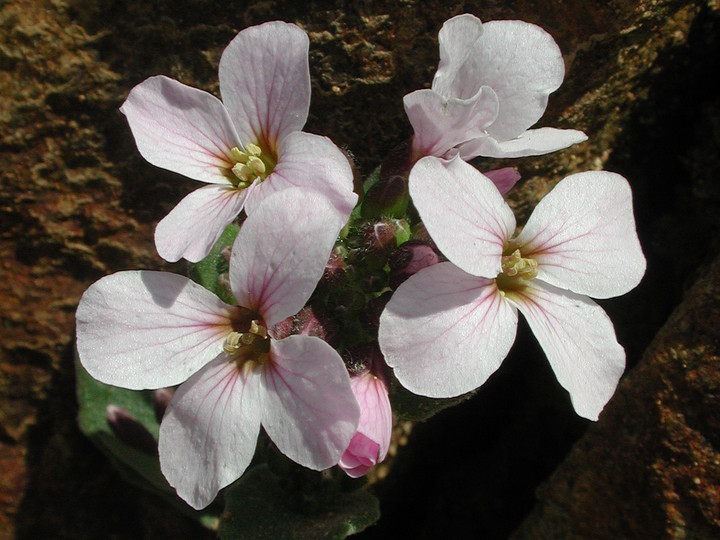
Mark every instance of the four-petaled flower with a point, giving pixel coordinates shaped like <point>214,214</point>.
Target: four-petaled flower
<point>491,86</point>
<point>448,327</point>
<point>245,147</point>
<point>143,330</point>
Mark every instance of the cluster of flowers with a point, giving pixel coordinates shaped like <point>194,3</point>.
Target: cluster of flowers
<point>452,317</point>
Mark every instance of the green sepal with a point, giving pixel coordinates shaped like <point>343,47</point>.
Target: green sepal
<point>409,406</point>
<point>262,505</point>
<point>206,271</point>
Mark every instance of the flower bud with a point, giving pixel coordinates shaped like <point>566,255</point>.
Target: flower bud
<point>389,196</point>
<point>309,321</point>
<point>161,400</point>
<point>409,258</point>
<point>126,427</point>
<point>371,441</point>
<point>504,179</point>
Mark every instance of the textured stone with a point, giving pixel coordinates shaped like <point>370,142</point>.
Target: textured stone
<point>78,202</point>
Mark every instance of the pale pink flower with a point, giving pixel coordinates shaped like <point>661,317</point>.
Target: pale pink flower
<point>245,147</point>
<point>491,85</point>
<point>449,326</point>
<point>370,444</point>
<point>146,330</point>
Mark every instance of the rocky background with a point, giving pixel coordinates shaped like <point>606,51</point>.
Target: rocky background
<point>77,202</point>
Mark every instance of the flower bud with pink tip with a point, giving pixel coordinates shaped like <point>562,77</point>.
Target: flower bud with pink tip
<point>369,445</point>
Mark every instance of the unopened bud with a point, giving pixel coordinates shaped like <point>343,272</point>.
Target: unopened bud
<point>309,321</point>
<point>126,427</point>
<point>504,179</point>
<point>409,258</point>
<point>161,400</point>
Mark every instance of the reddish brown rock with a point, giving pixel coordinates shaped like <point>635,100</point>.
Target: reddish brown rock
<point>77,201</point>
<point>650,468</point>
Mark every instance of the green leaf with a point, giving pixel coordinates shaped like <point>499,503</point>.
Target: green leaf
<point>409,406</point>
<point>136,466</point>
<point>206,272</point>
<point>262,505</point>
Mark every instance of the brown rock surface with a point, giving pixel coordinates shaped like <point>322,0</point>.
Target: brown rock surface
<point>77,202</point>
<point>650,468</point>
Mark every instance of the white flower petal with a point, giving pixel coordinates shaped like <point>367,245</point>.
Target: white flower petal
<point>582,234</point>
<point>310,411</point>
<point>579,341</point>
<point>457,39</point>
<point>464,213</point>
<point>191,228</point>
<point>265,81</point>
<point>444,332</point>
<point>441,123</point>
<point>281,251</point>
<point>523,65</point>
<point>533,142</point>
<point>181,129</point>
<point>143,329</point>
<point>311,162</point>
<point>209,432</point>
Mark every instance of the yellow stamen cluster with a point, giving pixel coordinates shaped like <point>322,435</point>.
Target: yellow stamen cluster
<point>252,345</point>
<point>515,265</point>
<point>248,164</point>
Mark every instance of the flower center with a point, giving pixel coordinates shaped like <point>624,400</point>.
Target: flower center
<point>250,163</point>
<point>516,270</point>
<point>249,348</point>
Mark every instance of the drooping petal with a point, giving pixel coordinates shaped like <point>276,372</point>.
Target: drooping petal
<point>181,129</point>
<point>311,162</point>
<point>523,65</point>
<point>579,341</point>
<point>370,443</point>
<point>582,234</point>
<point>310,412</point>
<point>281,251</point>
<point>445,332</point>
<point>209,432</point>
<point>457,39</point>
<point>191,228</point>
<point>143,330</point>
<point>533,142</point>
<point>464,213</point>
<point>265,81</point>
<point>441,123</point>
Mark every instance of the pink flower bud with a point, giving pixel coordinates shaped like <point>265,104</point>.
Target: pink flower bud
<point>371,441</point>
<point>309,321</point>
<point>410,258</point>
<point>504,179</point>
<point>127,428</point>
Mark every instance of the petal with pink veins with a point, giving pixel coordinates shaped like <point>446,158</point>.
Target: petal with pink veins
<point>582,234</point>
<point>265,81</point>
<point>579,341</point>
<point>209,432</point>
<point>309,410</point>
<point>440,123</point>
<point>181,129</point>
<point>281,251</point>
<point>444,332</point>
<point>143,330</point>
<point>464,213</point>
<point>191,228</point>
<point>310,162</point>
